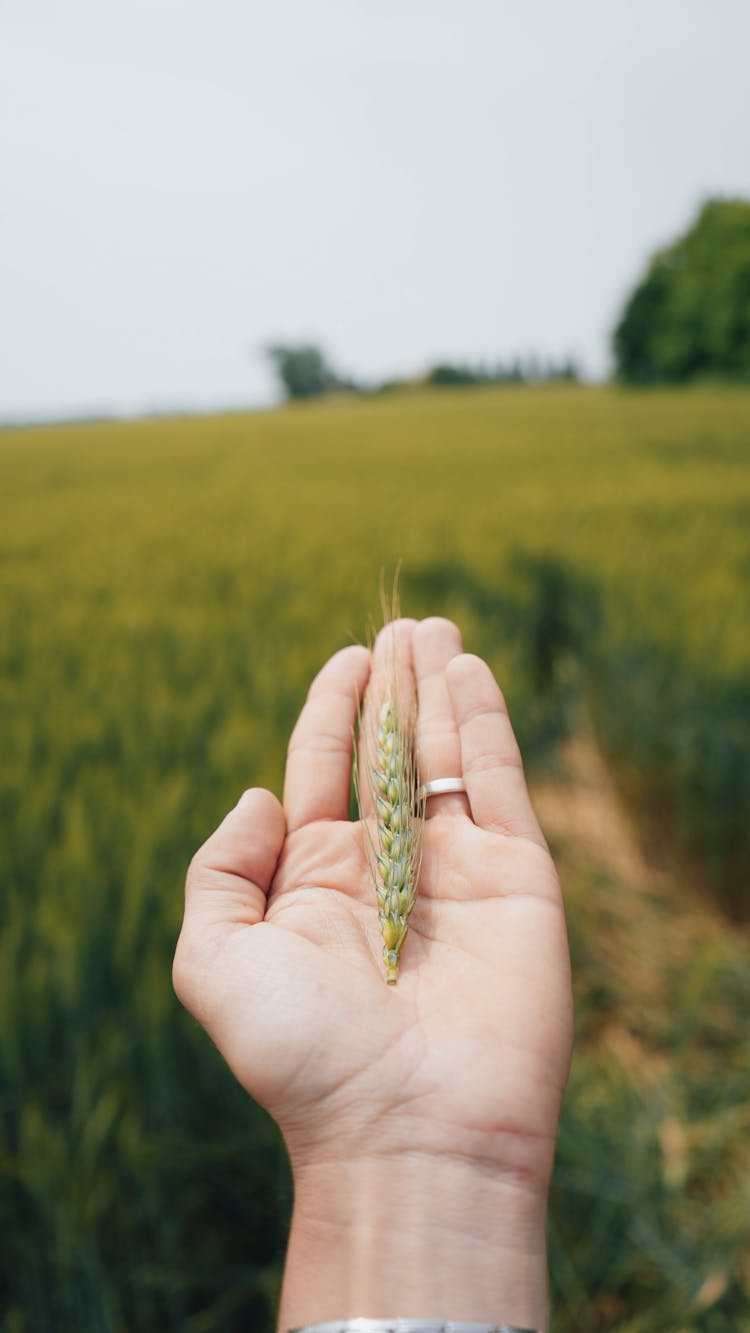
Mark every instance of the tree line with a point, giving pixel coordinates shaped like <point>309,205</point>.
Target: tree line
<point>688,318</point>
<point>304,371</point>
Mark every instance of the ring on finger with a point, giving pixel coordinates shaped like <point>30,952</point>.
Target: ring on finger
<point>441,786</point>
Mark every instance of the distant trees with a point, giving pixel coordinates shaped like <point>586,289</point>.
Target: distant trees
<point>447,376</point>
<point>304,371</point>
<point>533,370</point>
<point>688,318</point>
<point>690,315</point>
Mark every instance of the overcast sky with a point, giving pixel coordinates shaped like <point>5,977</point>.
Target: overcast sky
<point>401,180</point>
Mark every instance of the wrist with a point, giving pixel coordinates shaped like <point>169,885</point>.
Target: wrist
<point>412,1235</point>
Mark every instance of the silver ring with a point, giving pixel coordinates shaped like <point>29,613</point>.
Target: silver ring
<point>440,786</point>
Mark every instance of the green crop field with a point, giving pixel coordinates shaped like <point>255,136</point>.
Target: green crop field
<point>169,587</point>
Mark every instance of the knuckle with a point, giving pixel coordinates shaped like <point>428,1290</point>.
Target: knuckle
<point>484,710</point>
<point>476,712</point>
<point>439,729</point>
<point>319,742</point>
<point>481,764</point>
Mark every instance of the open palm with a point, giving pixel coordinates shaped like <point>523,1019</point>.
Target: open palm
<point>280,953</point>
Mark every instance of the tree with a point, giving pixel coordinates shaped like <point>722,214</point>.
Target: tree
<point>690,315</point>
<point>446,376</point>
<point>303,370</point>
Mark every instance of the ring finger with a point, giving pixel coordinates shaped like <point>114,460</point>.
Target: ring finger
<point>435,643</point>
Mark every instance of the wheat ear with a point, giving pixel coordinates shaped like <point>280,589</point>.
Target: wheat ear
<point>388,770</point>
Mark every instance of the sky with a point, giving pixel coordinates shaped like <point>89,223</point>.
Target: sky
<point>183,183</point>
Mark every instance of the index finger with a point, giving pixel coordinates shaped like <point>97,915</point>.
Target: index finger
<point>319,758</point>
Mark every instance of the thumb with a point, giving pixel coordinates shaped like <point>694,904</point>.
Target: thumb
<point>227,882</point>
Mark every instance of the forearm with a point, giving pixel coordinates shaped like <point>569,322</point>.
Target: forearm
<point>409,1236</point>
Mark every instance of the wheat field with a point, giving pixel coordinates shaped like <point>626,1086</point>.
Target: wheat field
<point>169,587</point>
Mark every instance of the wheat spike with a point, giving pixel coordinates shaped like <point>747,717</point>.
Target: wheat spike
<point>388,771</point>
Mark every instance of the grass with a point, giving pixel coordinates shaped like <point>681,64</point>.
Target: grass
<point>651,1197</point>
<point>168,590</point>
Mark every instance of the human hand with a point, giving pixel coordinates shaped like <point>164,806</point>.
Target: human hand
<point>420,1119</point>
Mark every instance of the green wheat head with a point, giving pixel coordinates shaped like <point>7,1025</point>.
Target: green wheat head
<point>387,771</point>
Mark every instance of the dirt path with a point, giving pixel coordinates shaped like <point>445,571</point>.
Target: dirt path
<point>584,813</point>
<point>587,823</point>
<point>637,933</point>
